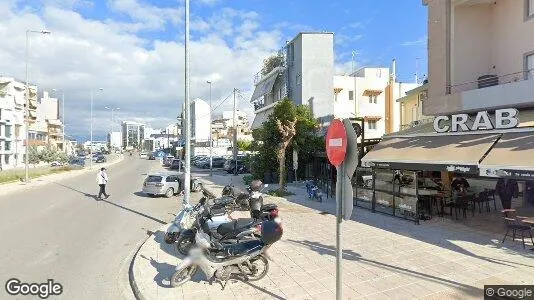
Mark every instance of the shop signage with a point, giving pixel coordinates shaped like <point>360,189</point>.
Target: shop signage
<point>518,174</point>
<point>504,119</point>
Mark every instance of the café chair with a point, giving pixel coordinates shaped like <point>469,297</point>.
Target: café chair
<point>517,227</point>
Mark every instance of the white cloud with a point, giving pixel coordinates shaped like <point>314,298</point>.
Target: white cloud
<point>150,16</point>
<point>145,78</point>
<point>344,39</point>
<point>419,42</point>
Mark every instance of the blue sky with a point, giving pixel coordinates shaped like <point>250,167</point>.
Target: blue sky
<point>134,48</point>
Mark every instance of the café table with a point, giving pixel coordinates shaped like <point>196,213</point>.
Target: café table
<point>528,221</point>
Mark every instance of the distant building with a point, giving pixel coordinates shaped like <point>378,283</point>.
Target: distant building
<point>48,112</point>
<point>200,120</point>
<point>305,75</point>
<point>412,108</point>
<point>115,140</point>
<point>133,134</point>
<point>12,126</point>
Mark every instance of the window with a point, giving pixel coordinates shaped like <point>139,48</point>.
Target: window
<point>7,159</point>
<point>529,9</point>
<point>371,124</point>
<point>373,99</point>
<point>529,66</point>
<point>351,95</point>
<point>370,99</point>
<point>8,146</point>
<point>8,131</point>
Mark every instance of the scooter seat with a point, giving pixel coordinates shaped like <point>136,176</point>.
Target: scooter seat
<point>234,226</point>
<point>225,200</point>
<point>243,248</point>
<point>269,206</point>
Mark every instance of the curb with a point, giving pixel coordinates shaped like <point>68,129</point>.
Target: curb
<point>131,276</point>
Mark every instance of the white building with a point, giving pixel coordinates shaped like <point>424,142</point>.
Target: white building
<point>133,134</point>
<point>12,127</point>
<point>305,74</point>
<point>371,93</point>
<point>48,113</point>
<point>97,145</point>
<point>115,140</point>
<point>200,120</point>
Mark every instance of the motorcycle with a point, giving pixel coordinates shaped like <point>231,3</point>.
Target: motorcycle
<point>219,262</point>
<point>186,218</point>
<point>233,231</point>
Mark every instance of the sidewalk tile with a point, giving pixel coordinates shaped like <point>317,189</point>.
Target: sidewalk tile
<point>294,292</point>
<point>202,295</point>
<point>313,287</point>
<point>324,295</point>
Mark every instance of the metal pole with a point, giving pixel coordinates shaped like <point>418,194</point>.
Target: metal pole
<point>355,90</point>
<point>63,120</point>
<point>210,139</point>
<point>339,212</point>
<point>27,177</point>
<point>91,144</point>
<point>235,136</point>
<point>187,174</point>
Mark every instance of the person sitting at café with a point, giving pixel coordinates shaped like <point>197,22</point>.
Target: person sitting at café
<point>459,184</point>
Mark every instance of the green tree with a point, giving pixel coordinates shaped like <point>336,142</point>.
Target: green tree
<point>272,141</point>
<point>271,63</point>
<point>33,155</point>
<point>244,145</point>
<point>48,154</point>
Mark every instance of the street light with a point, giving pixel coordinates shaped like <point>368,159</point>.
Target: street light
<point>112,123</point>
<point>27,121</point>
<point>91,145</point>
<point>211,142</point>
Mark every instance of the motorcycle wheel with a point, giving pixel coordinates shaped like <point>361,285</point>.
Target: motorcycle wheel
<point>181,277</point>
<point>184,244</point>
<point>170,237</point>
<point>258,268</point>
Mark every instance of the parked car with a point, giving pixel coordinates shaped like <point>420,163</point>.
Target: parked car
<point>152,156</point>
<point>167,161</point>
<point>101,159</point>
<point>143,155</point>
<point>217,162</point>
<point>201,161</point>
<point>56,164</point>
<point>80,162</point>
<point>175,165</point>
<point>229,166</point>
<point>167,184</point>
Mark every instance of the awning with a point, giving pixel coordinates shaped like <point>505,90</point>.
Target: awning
<point>372,92</point>
<point>260,118</point>
<point>454,153</point>
<point>264,87</point>
<point>372,118</point>
<point>512,156</point>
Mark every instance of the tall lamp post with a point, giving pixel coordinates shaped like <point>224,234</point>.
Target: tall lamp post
<point>91,144</point>
<point>211,137</point>
<point>112,123</point>
<point>27,120</point>
<point>187,173</point>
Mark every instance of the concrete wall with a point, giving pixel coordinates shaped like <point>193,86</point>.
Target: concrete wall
<point>200,120</point>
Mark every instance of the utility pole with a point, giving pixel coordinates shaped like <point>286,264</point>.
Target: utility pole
<point>211,139</point>
<point>234,138</point>
<point>355,93</point>
<point>91,144</point>
<point>187,173</point>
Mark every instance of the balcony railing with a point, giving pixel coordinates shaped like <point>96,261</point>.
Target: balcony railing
<point>417,123</point>
<point>490,80</point>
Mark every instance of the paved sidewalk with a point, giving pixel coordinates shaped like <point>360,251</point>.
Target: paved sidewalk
<point>12,187</point>
<point>384,258</point>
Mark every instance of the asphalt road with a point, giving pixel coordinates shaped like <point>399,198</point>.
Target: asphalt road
<point>59,231</point>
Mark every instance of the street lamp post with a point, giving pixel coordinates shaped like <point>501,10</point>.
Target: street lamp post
<point>27,120</point>
<point>112,123</point>
<point>91,144</point>
<point>211,139</point>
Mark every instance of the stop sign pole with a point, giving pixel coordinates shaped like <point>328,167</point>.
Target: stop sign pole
<point>342,152</point>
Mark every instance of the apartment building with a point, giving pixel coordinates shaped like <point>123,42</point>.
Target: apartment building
<point>411,107</point>
<point>48,113</point>
<point>12,126</point>
<point>133,134</point>
<point>481,55</point>
<point>371,94</point>
<point>304,73</point>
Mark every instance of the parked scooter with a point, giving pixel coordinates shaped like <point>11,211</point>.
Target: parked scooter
<point>218,262</point>
<point>234,230</point>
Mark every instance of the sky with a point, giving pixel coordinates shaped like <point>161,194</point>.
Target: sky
<point>134,49</point>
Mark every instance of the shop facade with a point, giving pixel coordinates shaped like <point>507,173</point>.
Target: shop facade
<point>410,174</point>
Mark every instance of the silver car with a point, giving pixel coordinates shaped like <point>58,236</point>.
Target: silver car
<point>167,184</point>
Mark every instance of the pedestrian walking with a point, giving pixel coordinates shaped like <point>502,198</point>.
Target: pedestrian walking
<point>102,180</point>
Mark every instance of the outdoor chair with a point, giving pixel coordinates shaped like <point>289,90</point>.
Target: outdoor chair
<point>517,227</point>
<point>482,199</point>
<point>491,197</point>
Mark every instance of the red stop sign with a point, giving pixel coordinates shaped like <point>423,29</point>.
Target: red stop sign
<point>336,142</point>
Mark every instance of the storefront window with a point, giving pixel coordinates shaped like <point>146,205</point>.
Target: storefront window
<point>405,194</point>
<point>384,191</point>
<point>362,183</point>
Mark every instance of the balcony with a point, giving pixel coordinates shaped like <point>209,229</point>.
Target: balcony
<point>485,93</point>
<point>471,2</point>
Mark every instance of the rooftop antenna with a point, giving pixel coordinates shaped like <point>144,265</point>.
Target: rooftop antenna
<point>416,70</point>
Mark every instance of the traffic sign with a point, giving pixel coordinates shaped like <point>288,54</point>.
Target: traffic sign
<point>336,142</point>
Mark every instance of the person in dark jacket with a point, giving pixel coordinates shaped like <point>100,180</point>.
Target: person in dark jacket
<point>459,184</point>
<point>507,189</point>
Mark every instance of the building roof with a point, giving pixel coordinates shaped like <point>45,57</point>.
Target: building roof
<point>412,92</point>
